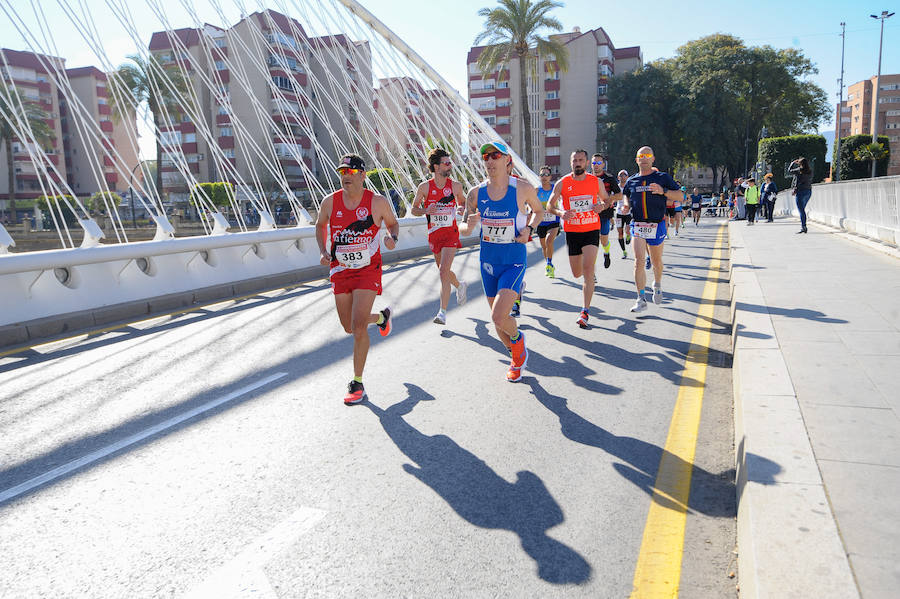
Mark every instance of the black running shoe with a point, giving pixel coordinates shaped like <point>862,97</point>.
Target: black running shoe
<point>606,261</point>
<point>355,393</point>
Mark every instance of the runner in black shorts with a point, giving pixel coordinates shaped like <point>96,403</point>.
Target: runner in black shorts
<point>623,215</point>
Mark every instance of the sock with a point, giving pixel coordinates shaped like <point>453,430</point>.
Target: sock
<point>380,318</point>
<point>514,338</point>
<point>622,243</point>
<point>641,294</point>
<point>357,379</point>
<point>549,261</point>
<point>606,248</point>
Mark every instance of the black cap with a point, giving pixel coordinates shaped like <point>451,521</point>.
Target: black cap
<point>351,161</point>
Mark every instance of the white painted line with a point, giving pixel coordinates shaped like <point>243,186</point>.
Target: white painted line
<point>243,576</point>
<point>131,440</point>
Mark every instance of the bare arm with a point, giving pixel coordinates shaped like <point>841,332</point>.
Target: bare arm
<point>382,208</point>
<point>470,216</point>
<point>418,208</point>
<point>322,229</point>
<point>553,204</point>
<point>529,197</point>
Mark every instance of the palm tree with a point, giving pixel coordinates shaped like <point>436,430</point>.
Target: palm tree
<point>149,82</point>
<point>873,152</point>
<point>14,107</point>
<point>512,30</point>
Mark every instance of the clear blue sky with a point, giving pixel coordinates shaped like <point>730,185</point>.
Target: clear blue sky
<point>442,32</point>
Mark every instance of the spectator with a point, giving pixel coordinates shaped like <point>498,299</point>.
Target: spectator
<point>769,195</point>
<point>801,187</point>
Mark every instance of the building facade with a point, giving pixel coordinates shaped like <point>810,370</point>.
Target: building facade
<point>564,106</point>
<point>854,115</point>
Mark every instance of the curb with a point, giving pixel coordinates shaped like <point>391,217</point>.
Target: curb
<point>788,540</point>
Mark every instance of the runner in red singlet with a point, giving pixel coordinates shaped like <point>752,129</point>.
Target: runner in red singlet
<point>438,199</point>
<point>350,219</point>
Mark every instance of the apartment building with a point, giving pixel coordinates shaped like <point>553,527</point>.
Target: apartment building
<point>564,106</point>
<point>854,115</point>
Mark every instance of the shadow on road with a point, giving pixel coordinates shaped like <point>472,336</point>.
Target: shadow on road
<point>480,495</point>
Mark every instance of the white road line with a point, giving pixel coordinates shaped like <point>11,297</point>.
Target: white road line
<point>131,440</point>
<point>243,576</point>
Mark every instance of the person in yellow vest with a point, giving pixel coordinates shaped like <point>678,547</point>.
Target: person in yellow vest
<point>751,197</point>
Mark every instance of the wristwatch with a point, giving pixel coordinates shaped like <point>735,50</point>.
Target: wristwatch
<point>394,237</point>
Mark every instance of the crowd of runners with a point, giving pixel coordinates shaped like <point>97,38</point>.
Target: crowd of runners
<point>506,212</point>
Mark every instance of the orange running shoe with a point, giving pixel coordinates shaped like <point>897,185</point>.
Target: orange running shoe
<point>355,393</point>
<point>514,375</point>
<point>583,319</point>
<point>385,327</point>
<point>519,353</point>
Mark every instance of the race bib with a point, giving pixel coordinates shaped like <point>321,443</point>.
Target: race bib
<point>645,230</point>
<point>549,217</point>
<point>498,230</point>
<point>581,204</point>
<point>353,256</point>
<point>444,217</point>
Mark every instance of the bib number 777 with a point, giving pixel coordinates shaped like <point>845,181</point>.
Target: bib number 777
<point>498,230</point>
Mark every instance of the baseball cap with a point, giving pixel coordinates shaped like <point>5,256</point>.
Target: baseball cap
<point>351,161</point>
<point>496,145</point>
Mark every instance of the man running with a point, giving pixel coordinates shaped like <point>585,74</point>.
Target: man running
<point>613,193</point>
<point>583,199</point>
<point>696,206</point>
<point>499,204</point>
<point>549,227</point>
<point>437,199</point>
<point>649,193</point>
<point>350,219</point>
<point>623,215</point>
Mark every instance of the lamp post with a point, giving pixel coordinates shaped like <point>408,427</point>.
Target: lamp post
<point>884,15</point>
<point>131,195</point>
<point>837,141</point>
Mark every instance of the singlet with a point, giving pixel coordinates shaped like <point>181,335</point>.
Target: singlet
<point>579,196</point>
<point>645,205</point>
<point>544,197</point>
<point>696,201</point>
<point>353,234</point>
<point>446,214</point>
<point>612,188</point>
<point>501,222</point>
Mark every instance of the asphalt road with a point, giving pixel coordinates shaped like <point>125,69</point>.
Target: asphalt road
<point>209,454</point>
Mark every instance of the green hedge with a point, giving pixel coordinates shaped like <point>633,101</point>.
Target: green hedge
<point>778,152</point>
<point>59,205</point>
<point>860,169</point>
<point>219,193</point>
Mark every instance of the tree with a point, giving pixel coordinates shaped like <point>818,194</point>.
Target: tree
<point>512,30</point>
<point>384,181</point>
<point>147,81</point>
<point>871,153</point>
<point>856,165</point>
<point>59,206</point>
<point>14,106</point>
<point>101,199</point>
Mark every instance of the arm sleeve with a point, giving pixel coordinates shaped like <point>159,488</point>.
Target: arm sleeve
<point>669,183</point>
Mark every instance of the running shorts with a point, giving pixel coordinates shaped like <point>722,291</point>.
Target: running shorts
<point>660,233</point>
<point>543,229</point>
<point>622,220</point>
<point>445,237</point>
<point>670,210</point>
<point>576,240</point>
<point>501,276</point>
<point>605,226</point>
<point>678,208</point>
<point>363,278</point>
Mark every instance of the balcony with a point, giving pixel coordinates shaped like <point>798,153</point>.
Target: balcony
<point>104,109</point>
<point>551,84</point>
<point>552,104</point>
<point>551,124</point>
<point>106,126</point>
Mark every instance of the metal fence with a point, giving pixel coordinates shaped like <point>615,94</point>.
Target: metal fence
<point>868,207</point>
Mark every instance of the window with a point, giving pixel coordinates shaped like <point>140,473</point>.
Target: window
<point>552,133</point>
<point>185,118</point>
<point>222,110</point>
<point>889,100</point>
<point>552,114</point>
<point>604,70</point>
<point>484,103</point>
<point>603,51</point>
<point>491,120</point>
<point>221,42</point>
<point>503,85</point>
<point>553,75</point>
<point>282,83</point>
<point>170,137</point>
<point>228,152</point>
<point>101,101</point>
<point>892,113</point>
<point>473,68</point>
<point>602,109</point>
<point>892,126</point>
<point>193,157</point>
<point>554,95</point>
<point>601,90</point>
<point>503,120</point>
<point>553,151</point>
<point>503,102</point>
<point>220,65</point>
<point>889,87</point>
<point>190,138</point>
<point>225,132</point>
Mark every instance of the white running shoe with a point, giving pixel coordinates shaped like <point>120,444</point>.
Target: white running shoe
<point>657,294</point>
<point>461,293</point>
<point>640,305</point>
<point>440,318</point>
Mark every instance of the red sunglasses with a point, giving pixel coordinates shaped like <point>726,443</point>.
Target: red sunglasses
<point>495,155</point>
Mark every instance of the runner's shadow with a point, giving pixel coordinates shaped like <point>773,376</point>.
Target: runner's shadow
<point>642,461</point>
<point>481,496</point>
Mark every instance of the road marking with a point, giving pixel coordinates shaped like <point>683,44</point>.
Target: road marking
<point>243,576</point>
<point>658,570</point>
<point>132,439</point>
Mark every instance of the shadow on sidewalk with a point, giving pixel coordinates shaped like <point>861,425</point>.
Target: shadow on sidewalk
<point>481,496</point>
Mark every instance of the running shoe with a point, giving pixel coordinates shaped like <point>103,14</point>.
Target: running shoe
<point>583,319</point>
<point>640,305</point>
<point>624,254</point>
<point>514,375</point>
<point>385,327</point>
<point>440,318</point>
<point>355,393</point>
<point>657,295</point>
<point>606,260</point>
<point>519,353</point>
<point>627,238</point>
<point>462,293</point>
<point>551,271</point>
<point>648,262</point>
<point>516,309</point>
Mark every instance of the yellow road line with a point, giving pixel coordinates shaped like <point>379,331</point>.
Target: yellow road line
<point>658,570</point>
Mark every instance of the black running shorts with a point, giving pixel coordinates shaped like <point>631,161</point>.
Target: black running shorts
<point>576,240</point>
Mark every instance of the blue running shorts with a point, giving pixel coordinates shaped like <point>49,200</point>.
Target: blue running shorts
<point>501,276</point>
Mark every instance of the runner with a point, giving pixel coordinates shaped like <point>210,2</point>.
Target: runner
<point>696,206</point>
<point>499,204</point>
<point>679,209</point>
<point>437,199</point>
<point>549,227</point>
<point>623,215</point>
<point>583,199</point>
<point>649,193</point>
<point>350,219</point>
<point>613,193</point>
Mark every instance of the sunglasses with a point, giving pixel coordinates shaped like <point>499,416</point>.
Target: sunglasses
<point>446,163</point>
<point>598,163</point>
<point>545,174</point>
<point>645,155</point>
<point>495,155</point>
<point>346,170</point>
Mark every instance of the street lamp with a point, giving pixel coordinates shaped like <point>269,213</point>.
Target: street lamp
<point>884,15</point>
<point>131,194</point>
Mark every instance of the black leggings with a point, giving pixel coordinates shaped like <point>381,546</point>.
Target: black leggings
<point>751,212</point>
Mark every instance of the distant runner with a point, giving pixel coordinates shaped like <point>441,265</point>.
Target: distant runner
<point>623,215</point>
<point>549,227</point>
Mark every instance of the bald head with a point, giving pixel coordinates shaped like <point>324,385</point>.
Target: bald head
<point>645,150</point>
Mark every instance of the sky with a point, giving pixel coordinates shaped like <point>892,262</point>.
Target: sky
<point>442,32</point>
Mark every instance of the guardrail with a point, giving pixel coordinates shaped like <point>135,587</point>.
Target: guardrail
<point>868,207</point>
<point>36,285</point>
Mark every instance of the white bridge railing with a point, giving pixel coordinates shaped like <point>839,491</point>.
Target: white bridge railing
<point>868,207</point>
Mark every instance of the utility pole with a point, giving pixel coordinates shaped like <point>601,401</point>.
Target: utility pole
<point>884,15</point>
<point>837,141</point>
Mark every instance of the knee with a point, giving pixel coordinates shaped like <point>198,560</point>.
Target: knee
<point>359,328</point>
<point>445,272</point>
<point>347,329</point>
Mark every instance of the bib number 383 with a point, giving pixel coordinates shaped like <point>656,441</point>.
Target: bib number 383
<point>353,256</point>
<point>498,230</point>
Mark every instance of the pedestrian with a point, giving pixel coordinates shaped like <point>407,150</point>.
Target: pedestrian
<point>751,197</point>
<point>769,195</point>
<point>801,187</point>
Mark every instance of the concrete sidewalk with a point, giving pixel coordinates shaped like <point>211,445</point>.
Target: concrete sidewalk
<point>817,412</point>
